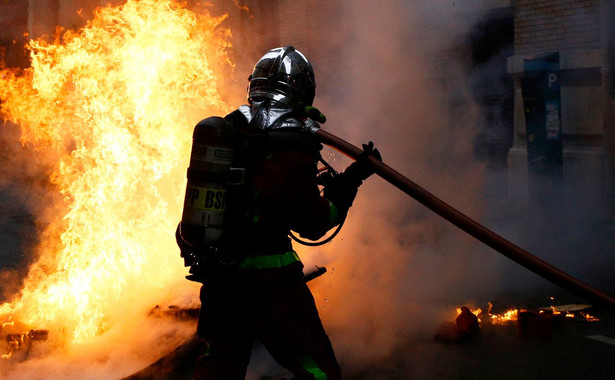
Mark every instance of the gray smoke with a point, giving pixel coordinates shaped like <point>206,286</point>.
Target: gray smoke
<point>397,270</point>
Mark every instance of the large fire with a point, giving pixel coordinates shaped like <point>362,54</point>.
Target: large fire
<point>111,109</point>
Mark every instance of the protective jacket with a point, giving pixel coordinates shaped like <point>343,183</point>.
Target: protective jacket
<point>282,194</point>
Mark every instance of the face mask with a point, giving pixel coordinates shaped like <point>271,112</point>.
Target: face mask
<point>269,114</point>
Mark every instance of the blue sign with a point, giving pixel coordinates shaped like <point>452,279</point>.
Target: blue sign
<point>540,88</point>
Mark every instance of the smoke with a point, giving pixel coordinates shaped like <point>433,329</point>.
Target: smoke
<point>397,270</point>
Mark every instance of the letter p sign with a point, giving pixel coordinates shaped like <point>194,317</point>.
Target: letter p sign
<point>552,79</point>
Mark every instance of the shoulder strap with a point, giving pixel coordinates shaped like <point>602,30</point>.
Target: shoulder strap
<point>255,141</point>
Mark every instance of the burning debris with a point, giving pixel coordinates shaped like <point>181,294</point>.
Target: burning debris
<point>502,318</point>
<point>21,343</point>
<point>176,312</point>
<point>467,323</point>
<point>571,311</point>
<point>465,327</point>
<point>16,340</point>
<point>530,323</point>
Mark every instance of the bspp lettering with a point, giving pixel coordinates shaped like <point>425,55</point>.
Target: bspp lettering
<point>209,199</point>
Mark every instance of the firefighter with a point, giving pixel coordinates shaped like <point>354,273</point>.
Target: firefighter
<point>253,285</point>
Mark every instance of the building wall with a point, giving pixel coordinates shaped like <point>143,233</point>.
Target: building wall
<point>557,24</point>
<point>575,29</point>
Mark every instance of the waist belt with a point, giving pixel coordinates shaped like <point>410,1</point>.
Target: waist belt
<point>270,261</point>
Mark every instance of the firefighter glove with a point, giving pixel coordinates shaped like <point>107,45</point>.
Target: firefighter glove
<point>362,169</point>
<point>310,112</point>
<point>315,114</point>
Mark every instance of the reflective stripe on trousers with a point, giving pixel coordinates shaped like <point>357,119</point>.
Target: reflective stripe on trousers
<point>310,366</point>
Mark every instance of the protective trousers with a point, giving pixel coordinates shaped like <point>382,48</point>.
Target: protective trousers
<point>280,313</point>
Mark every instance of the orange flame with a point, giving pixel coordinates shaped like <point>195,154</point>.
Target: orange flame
<point>111,108</point>
<point>507,316</point>
<point>9,323</point>
<point>588,317</point>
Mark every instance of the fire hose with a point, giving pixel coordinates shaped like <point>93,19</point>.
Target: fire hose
<point>473,228</point>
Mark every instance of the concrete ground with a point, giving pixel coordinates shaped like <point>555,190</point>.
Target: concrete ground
<point>569,349</point>
<point>574,350</point>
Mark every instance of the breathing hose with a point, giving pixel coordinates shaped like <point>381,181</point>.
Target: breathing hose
<point>473,228</point>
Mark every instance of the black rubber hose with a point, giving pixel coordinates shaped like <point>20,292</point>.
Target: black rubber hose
<point>519,255</point>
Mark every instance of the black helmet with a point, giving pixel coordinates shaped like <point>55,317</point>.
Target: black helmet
<point>283,74</point>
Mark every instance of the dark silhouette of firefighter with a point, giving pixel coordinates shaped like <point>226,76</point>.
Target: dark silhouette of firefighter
<point>254,178</point>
